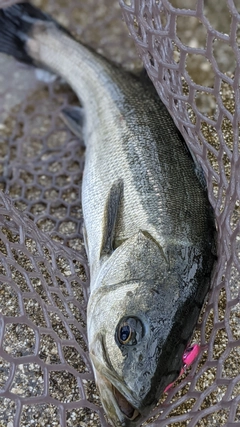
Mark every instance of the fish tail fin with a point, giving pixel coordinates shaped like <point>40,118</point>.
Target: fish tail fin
<point>16,24</point>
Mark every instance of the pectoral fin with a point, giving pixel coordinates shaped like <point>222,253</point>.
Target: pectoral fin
<point>73,117</point>
<point>110,216</point>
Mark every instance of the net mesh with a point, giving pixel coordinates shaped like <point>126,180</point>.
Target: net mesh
<point>191,52</point>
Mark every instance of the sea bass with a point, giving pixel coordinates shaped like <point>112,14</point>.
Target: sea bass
<point>148,225</point>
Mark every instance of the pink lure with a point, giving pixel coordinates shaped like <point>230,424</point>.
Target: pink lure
<point>189,356</point>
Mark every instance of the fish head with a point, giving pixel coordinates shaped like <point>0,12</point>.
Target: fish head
<point>126,345</point>
<point>136,331</point>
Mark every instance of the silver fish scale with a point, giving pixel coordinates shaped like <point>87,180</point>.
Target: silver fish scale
<point>129,135</point>
<point>162,194</point>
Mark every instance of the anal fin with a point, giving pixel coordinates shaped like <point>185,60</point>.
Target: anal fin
<point>111,212</point>
<point>73,117</point>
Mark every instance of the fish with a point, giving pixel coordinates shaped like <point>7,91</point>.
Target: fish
<point>149,228</point>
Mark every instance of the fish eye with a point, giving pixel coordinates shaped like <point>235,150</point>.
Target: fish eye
<point>129,331</point>
<point>125,333</point>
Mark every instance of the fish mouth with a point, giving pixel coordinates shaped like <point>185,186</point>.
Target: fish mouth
<point>131,413</point>
<point>117,407</point>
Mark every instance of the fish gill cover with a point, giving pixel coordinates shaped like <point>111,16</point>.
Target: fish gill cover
<point>190,49</point>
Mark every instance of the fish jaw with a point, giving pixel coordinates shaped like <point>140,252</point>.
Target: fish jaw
<point>124,406</point>
<point>120,406</point>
